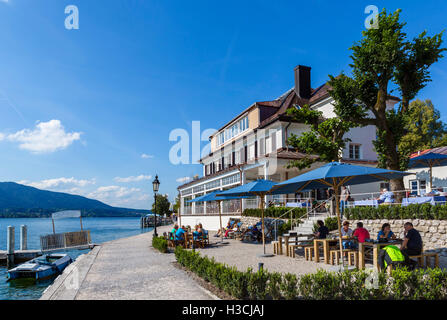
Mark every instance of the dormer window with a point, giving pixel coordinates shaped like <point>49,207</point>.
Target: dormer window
<point>234,130</point>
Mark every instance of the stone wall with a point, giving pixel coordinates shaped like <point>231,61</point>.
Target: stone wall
<point>433,232</point>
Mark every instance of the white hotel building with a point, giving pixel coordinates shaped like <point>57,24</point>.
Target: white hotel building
<point>253,145</point>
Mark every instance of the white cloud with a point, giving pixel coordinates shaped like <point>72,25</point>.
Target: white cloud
<point>184,179</point>
<point>147,156</point>
<point>58,183</point>
<point>45,137</point>
<point>2,136</point>
<point>132,179</point>
<point>4,1</point>
<point>119,196</point>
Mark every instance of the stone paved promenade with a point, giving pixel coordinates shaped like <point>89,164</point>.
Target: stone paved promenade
<point>125,269</point>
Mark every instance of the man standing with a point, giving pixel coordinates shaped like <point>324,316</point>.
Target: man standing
<point>412,244</point>
<point>343,200</point>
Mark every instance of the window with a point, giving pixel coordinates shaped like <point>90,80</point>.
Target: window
<point>213,184</point>
<point>418,187</point>
<point>231,179</point>
<point>354,151</point>
<point>232,131</point>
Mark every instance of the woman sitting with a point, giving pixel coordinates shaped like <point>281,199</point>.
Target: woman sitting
<point>386,233</point>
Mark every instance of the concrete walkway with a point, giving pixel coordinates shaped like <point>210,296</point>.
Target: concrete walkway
<point>125,269</point>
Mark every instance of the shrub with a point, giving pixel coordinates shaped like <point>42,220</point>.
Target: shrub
<point>289,286</point>
<point>331,223</point>
<point>274,285</point>
<point>160,243</point>
<point>421,284</point>
<point>424,211</point>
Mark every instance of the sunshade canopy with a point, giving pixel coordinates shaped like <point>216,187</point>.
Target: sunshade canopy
<point>255,188</point>
<point>430,159</point>
<point>213,197</point>
<point>336,174</point>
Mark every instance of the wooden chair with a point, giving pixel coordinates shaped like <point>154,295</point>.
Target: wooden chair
<point>435,257</point>
<point>309,253</point>
<point>276,249</point>
<point>293,247</point>
<point>353,257</point>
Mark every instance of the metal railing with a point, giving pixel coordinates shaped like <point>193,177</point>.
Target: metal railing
<point>67,240</point>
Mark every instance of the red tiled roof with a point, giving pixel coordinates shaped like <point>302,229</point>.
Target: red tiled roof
<point>441,150</point>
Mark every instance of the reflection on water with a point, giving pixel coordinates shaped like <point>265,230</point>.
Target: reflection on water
<point>102,230</point>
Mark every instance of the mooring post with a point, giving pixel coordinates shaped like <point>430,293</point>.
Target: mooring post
<point>23,237</point>
<point>10,245</point>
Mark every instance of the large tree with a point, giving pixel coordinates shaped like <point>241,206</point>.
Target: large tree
<point>423,128</point>
<point>382,59</point>
<point>162,206</point>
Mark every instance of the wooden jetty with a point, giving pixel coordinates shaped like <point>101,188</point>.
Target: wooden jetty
<point>148,221</point>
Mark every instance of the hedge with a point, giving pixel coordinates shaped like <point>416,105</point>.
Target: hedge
<point>429,284</point>
<point>275,212</point>
<point>424,211</point>
<point>160,243</point>
<point>331,223</point>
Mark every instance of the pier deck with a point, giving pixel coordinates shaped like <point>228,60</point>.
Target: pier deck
<point>125,269</point>
<point>19,256</point>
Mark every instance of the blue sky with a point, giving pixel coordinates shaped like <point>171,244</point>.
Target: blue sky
<point>79,108</point>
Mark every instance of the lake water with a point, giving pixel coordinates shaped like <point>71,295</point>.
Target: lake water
<point>101,230</point>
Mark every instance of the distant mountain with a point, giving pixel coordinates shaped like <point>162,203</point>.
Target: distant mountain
<point>19,200</point>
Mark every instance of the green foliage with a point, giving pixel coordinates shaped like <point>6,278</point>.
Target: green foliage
<point>423,126</point>
<point>162,205</point>
<point>275,212</point>
<point>421,284</point>
<point>424,211</point>
<point>289,286</point>
<point>160,243</point>
<point>383,57</point>
<point>331,223</point>
<point>325,138</point>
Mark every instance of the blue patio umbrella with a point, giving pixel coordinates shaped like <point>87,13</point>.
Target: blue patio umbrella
<point>430,160</point>
<point>213,197</point>
<point>335,175</point>
<point>256,188</point>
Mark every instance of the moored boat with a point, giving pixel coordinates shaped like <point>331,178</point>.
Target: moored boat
<point>41,268</point>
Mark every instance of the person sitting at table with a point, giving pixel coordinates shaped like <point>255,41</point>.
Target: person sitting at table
<point>412,244</point>
<point>361,233</point>
<point>386,233</point>
<point>346,232</point>
<point>434,192</point>
<point>386,197</point>
<point>173,231</point>
<point>322,231</point>
<point>392,255</point>
<point>180,234</point>
<point>197,234</point>
<point>442,192</point>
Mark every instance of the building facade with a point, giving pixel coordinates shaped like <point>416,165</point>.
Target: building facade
<point>253,145</point>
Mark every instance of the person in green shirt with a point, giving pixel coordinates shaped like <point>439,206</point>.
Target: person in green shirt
<point>173,231</point>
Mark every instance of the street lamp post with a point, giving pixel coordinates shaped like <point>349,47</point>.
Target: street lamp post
<point>155,185</point>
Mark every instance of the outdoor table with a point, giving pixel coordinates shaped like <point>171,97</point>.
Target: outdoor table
<point>325,243</point>
<point>367,203</point>
<point>297,204</point>
<point>432,200</point>
<point>376,248</point>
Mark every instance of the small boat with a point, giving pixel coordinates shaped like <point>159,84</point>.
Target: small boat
<point>41,268</point>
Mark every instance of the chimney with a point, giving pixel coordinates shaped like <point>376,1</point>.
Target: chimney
<point>302,82</point>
